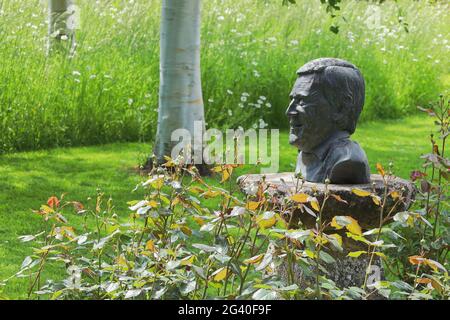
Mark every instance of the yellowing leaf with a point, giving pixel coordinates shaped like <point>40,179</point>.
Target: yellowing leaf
<point>354,227</point>
<point>252,205</point>
<point>315,205</point>
<point>337,237</point>
<point>380,254</point>
<point>358,238</point>
<point>164,199</point>
<point>150,246</point>
<point>339,222</point>
<point>226,174</point>
<point>220,274</point>
<point>310,254</point>
<point>380,169</point>
<point>186,230</point>
<point>266,220</point>
<point>196,189</point>
<point>415,260</point>
<point>376,200</point>
<point>199,220</point>
<point>435,265</point>
<point>356,254</point>
<point>436,285</point>
<point>254,260</point>
<point>175,201</point>
<point>152,203</point>
<point>211,194</point>
<point>158,183</point>
<point>46,209</point>
<point>188,261</point>
<point>300,198</point>
<point>361,193</point>
<point>170,163</point>
<point>348,222</point>
<point>395,195</point>
<point>121,261</point>
<point>423,280</point>
<point>338,198</point>
<point>321,240</point>
<point>335,225</point>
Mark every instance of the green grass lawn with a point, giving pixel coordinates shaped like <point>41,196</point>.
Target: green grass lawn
<point>28,179</point>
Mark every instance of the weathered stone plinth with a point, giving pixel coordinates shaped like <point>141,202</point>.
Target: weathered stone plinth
<point>363,209</point>
<point>346,271</point>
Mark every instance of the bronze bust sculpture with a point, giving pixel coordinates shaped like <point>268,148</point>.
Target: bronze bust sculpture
<point>326,102</point>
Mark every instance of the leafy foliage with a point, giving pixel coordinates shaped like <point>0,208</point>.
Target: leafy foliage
<point>172,246</point>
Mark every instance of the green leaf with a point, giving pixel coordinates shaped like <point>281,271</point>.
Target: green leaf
<point>326,257</point>
<point>292,287</point>
<point>57,294</point>
<point>381,254</point>
<point>26,262</point>
<point>356,254</point>
<point>199,271</point>
<point>265,262</point>
<point>132,293</point>
<point>264,294</point>
<point>402,286</point>
<point>204,247</point>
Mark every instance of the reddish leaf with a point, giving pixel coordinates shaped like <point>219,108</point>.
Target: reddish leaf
<point>53,202</point>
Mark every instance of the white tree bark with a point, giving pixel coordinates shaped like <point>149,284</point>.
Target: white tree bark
<point>180,93</point>
<point>60,13</point>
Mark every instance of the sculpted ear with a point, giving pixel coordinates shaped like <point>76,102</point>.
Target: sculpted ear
<point>340,120</point>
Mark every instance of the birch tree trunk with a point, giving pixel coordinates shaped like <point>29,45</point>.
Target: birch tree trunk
<point>61,25</point>
<point>180,92</point>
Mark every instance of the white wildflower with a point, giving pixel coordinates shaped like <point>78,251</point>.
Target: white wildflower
<point>251,189</point>
<point>262,124</point>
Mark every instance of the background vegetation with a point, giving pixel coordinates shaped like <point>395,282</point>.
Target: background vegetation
<point>108,91</point>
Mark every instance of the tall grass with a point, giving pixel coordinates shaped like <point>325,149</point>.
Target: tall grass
<point>251,49</point>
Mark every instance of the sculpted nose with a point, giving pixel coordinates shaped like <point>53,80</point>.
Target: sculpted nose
<point>292,108</point>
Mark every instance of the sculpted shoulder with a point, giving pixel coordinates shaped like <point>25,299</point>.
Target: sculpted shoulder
<point>347,164</point>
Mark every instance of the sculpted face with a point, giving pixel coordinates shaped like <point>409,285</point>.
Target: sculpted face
<point>310,115</point>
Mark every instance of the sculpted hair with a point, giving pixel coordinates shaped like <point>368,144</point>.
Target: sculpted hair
<point>343,86</point>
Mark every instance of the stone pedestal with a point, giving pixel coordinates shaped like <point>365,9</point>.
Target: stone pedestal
<point>347,271</point>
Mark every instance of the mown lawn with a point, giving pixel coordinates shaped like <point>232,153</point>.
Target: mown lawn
<point>28,179</point>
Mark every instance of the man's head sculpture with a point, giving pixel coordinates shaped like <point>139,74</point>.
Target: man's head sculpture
<point>326,102</point>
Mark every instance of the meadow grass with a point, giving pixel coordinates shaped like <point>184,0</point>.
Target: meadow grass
<point>251,49</point>
<point>29,178</point>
